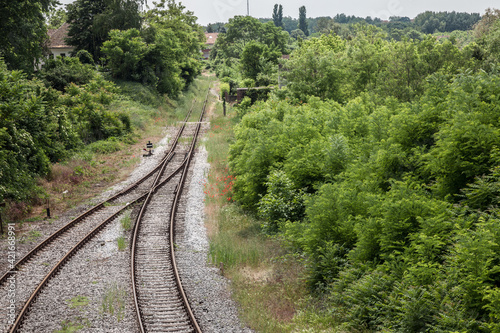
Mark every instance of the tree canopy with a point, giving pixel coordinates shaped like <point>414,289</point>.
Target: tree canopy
<point>91,21</point>
<point>378,162</point>
<point>278,16</point>
<point>23,32</point>
<point>165,54</point>
<point>302,20</point>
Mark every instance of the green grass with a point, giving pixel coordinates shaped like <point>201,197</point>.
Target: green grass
<point>68,326</point>
<point>248,251</point>
<point>139,93</point>
<point>105,146</point>
<point>78,302</point>
<point>268,282</point>
<point>113,301</point>
<point>31,236</point>
<point>126,221</point>
<point>122,244</point>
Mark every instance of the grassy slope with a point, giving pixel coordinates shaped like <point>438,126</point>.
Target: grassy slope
<point>105,163</point>
<point>268,282</point>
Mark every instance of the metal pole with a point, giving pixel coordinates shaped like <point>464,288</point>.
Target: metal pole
<point>248,8</point>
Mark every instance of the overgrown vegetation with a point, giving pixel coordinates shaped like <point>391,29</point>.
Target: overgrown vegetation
<point>55,122</point>
<point>78,302</point>
<point>267,282</point>
<point>378,164</point>
<point>164,54</point>
<point>113,301</point>
<point>247,55</point>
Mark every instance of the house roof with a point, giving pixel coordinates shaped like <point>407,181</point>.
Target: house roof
<point>211,37</point>
<point>57,37</point>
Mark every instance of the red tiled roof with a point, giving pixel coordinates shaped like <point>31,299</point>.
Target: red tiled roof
<point>211,37</point>
<point>57,37</point>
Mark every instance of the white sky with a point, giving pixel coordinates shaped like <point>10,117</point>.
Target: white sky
<point>211,11</point>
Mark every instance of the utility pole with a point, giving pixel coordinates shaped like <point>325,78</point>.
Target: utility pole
<point>248,8</point>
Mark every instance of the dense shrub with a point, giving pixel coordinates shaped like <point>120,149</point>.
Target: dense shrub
<point>60,72</point>
<point>400,225</point>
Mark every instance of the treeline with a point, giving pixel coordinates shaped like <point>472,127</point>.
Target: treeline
<point>378,163</point>
<point>248,53</point>
<point>425,23</point>
<point>50,112</point>
<point>396,26</point>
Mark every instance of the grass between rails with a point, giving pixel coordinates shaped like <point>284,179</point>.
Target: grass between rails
<point>268,283</point>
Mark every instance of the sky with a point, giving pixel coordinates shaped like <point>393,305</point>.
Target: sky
<point>221,10</point>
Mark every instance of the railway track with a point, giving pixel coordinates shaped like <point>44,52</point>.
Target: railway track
<point>160,302</point>
<point>35,269</point>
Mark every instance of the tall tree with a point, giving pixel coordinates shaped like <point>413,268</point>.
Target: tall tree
<point>278,16</point>
<point>487,22</point>
<point>91,21</point>
<point>243,29</point>
<point>302,20</point>
<point>23,32</point>
<point>56,17</point>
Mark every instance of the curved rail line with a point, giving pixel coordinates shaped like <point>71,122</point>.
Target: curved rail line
<point>134,248</point>
<point>165,160</point>
<point>156,184</point>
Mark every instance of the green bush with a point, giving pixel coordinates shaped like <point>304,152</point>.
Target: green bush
<point>60,72</point>
<point>282,202</point>
<point>105,147</point>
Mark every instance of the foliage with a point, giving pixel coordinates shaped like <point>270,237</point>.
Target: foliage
<point>487,32</point>
<point>487,22</point>
<point>251,46</point>
<point>23,32</point>
<point>224,88</point>
<point>302,21</point>
<point>91,21</point>
<point>255,59</point>
<point>33,132</point>
<point>334,68</point>
<point>400,223</point>
<point>243,29</point>
<point>40,125</point>
<point>282,201</point>
<point>56,17</point>
<point>378,163</point>
<point>88,104</point>
<point>430,22</point>
<point>60,72</point>
<point>278,16</point>
<point>164,55</point>
<point>310,71</point>
<point>124,51</point>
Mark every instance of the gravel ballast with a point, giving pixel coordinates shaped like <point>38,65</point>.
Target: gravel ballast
<point>208,291</point>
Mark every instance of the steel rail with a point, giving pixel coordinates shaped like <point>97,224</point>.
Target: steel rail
<point>80,244</point>
<point>172,223</point>
<point>178,192</point>
<point>161,165</point>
